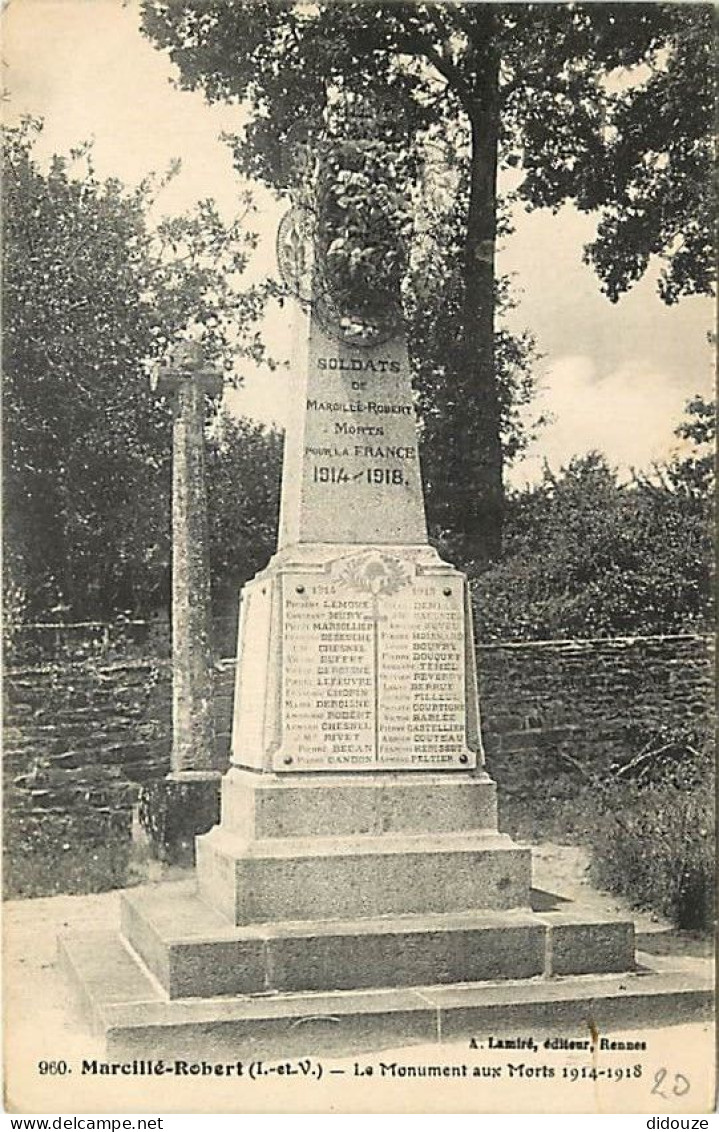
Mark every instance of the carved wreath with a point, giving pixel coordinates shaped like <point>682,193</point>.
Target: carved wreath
<point>378,574</point>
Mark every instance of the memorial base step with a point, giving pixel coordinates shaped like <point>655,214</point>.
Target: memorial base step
<point>264,806</point>
<point>194,951</point>
<point>125,1005</point>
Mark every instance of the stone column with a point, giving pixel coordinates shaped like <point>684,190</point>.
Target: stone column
<point>185,378</point>
<point>188,804</point>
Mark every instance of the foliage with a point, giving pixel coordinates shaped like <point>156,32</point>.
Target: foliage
<point>173,813</point>
<point>675,876</point>
<point>586,556</point>
<point>654,841</point>
<point>662,756</point>
<point>692,472</point>
<point>645,161</point>
<point>92,293</point>
<point>65,853</point>
<point>647,820</point>
<point>243,469</point>
<point>641,131</point>
<point>605,105</point>
<point>362,221</point>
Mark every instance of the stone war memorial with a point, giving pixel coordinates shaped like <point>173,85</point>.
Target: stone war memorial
<point>357,892</point>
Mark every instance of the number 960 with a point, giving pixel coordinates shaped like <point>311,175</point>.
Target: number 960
<point>56,1068</point>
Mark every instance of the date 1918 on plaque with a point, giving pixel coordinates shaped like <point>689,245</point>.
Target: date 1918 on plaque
<point>325,474</point>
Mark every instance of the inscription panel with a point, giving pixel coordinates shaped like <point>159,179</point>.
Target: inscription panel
<point>328,692</point>
<point>373,668</point>
<point>421,674</point>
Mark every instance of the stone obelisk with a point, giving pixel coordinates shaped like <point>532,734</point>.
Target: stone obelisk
<point>366,631</point>
<point>357,785</point>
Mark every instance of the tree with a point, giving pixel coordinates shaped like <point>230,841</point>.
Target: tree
<point>91,295</point>
<point>587,556</point>
<point>526,85</point>
<point>646,163</point>
<point>434,308</point>
<point>244,465</point>
<point>692,472</point>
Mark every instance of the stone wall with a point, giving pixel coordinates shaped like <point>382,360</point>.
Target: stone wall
<point>124,639</point>
<point>594,701</point>
<point>81,737</point>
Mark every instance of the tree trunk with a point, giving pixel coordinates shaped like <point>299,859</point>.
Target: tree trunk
<point>478,452</point>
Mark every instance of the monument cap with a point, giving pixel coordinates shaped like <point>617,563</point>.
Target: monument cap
<point>186,360</point>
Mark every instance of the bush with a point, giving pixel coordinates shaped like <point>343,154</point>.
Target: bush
<point>60,853</point>
<point>655,846</point>
<point>588,556</point>
<point>647,819</point>
<point>654,840</point>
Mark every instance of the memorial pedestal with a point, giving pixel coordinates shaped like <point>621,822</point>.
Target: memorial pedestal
<point>363,870</point>
<point>181,981</point>
<point>355,682</point>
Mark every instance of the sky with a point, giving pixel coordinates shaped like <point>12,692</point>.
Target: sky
<point>612,377</point>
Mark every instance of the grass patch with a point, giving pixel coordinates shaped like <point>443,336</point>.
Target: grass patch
<point>53,854</point>
<point>655,845</point>
<point>562,816</point>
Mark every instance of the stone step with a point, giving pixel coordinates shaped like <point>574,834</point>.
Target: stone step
<point>194,951</point>
<point>276,806</point>
<point>324,878</point>
<point>129,1009</point>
